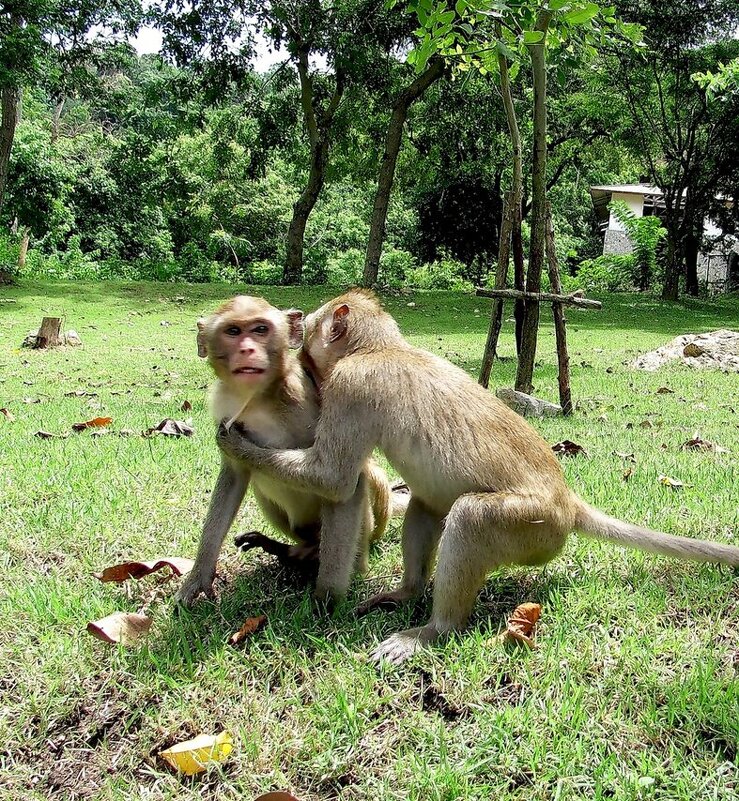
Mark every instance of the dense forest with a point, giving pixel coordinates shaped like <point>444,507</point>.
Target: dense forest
<point>194,165</point>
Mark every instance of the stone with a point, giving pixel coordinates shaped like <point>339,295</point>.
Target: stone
<point>528,405</point>
<point>716,350</point>
<point>72,338</point>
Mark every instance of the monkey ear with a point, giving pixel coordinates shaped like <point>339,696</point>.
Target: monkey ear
<point>339,323</point>
<point>201,339</point>
<point>296,327</point>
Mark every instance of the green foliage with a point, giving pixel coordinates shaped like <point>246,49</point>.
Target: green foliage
<point>446,273</point>
<point>645,234</point>
<point>609,272</point>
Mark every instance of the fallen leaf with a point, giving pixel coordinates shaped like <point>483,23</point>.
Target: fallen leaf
<point>627,473</point>
<point>521,624</point>
<point>279,795</point>
<point>186,406</point>
<point>646,424</point>
<point>569,448</point>
<point>665,391</point>
<point>126,432</point>
<point>137,570</point>
<point>97,422</point>
<point>251,626</point>
<point>630,457</point>
<point>697,444</point>
<point>80,393</point>
<point>123,627</point>
<point>31,400</point>
<point>171,428</point>
<point>49,435</point>
<point>193,756</point>
<point>100,432</point>
<point>8,415</point>
<point>670,482</point>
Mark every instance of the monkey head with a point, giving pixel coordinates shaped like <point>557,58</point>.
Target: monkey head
<point>246,342</point>
<point>339,326</point>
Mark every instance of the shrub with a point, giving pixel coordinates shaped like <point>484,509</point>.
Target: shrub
<point>443,274</point>
<point>611,272</point>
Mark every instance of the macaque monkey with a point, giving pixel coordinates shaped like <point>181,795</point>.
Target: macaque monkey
<point>478,473</point>
<point>262,385</point>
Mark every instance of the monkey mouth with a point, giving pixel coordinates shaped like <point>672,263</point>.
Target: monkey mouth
<point>248,371</point>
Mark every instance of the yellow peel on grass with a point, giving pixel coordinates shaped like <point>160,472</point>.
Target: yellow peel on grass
<point>193,756</point>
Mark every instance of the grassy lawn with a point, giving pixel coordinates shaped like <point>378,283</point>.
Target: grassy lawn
<point>632,692</point>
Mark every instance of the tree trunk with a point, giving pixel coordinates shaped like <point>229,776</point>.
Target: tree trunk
<point>519,277</point>
<point>501,277</point>
<point>23,249</point>
<point>671,287</point>
<point>10,100</point>
<point>305,204</point>
<point>49,334</point>
<point>318,126</point>
<point>55,119</point>
<point>530,327</point>
<point>386,175</point>
<point>692,245</point>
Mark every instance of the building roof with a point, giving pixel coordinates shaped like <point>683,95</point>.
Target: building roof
<point>629,189</point>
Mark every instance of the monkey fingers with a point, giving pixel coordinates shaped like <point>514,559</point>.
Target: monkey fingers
<point>301,558</point>
<point>401,646</point>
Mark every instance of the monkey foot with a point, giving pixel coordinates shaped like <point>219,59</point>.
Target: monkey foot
<point>383,600</point>
<point>301,558</point>
<point>191,588</point>
<point>401,646</point>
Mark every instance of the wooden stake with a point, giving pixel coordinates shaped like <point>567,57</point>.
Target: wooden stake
<point>501,276</point>
<point>560,329</point>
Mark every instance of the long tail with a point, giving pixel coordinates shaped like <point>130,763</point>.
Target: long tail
<point>594,523</point>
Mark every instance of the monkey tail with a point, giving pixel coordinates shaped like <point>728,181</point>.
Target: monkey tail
<point>593,523</point>
<point>380,499</point>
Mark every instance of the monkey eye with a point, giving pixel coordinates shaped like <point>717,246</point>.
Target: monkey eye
<point>260,329</point>
<point>232,331</point>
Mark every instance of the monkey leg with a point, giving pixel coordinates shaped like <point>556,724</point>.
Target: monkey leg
<point>421,532</point>
<point>482,532</point>
<point>342,526</point>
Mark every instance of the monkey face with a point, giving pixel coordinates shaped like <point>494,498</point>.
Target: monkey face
<point>246,341</point>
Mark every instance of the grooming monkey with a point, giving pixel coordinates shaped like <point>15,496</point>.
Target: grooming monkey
<point>261,384</point>
<point>477,471</point>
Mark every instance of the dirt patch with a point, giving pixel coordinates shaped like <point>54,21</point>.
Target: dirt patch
<point>714,350</point>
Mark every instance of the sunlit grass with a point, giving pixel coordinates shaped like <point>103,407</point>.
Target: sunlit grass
<point>632,692</point>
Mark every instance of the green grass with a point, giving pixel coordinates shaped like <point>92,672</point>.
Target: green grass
<point>632,693</point>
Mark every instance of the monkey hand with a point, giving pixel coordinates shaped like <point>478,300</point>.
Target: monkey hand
<point>234,441</point>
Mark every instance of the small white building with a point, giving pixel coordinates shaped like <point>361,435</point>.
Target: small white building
<point>718,260</point>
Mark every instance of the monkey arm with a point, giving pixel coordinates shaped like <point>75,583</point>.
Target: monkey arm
<point>227,496</point>
<point>330,468</point>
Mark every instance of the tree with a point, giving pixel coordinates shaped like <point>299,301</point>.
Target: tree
<point>680,137</point>
<point>567,28</point>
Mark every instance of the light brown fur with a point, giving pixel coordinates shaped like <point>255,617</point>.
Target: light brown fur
<point>477,471</point>
<point>280,407</point>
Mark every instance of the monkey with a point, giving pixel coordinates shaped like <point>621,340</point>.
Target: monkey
<point>261,383</point>
<point>486,489</point>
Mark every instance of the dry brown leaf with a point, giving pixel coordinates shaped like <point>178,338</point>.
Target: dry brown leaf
<point>630,457</point>
<point>137,570</point>
<point>31,400</point>
<point>171,428</point>
<point>569,448</point>
<point>96,422</point>
<point>193,756</point>
<point>628,473</point>
<point>673,483</point>
<point>8,415</point>
<point>698,444</point>
<point>665,391</point>
<point>186,406</point>
<point>123,627</point>
<point>646,424</point>
<point>521,624</point>
<point>80,393</point>
<point>48,435</point>
<point>278,795</point>
<point>251,626</point>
